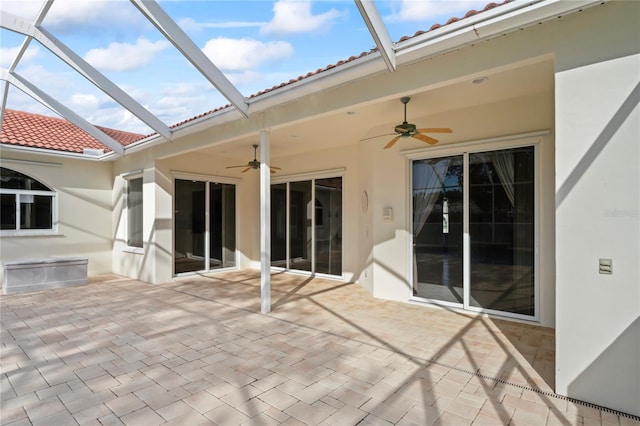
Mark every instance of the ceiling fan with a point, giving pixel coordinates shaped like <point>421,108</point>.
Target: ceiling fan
<point>406,130</point>
<point>253,164</point>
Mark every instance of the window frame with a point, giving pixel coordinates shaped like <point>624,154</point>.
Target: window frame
<point>312,177</point>
<point>17,231</point>
<point>127,208</point>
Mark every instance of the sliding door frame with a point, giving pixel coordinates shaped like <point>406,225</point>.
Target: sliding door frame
<point>310,176</point>
<point>465,149</point>
<point>208,180</point>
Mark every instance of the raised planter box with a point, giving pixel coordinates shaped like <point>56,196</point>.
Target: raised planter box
<point>41,274</point>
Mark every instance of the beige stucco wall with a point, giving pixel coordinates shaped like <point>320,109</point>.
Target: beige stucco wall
<point>84,211</point>
<point>597,207</point>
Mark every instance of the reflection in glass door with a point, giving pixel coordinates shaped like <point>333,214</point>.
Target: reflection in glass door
<point>501,228</point>
<point>200,245</point>
<point>328,226</point>
<point>306,225</point>
<point>222,225</point>
<point>437,229</point>
<point>279,225</point>
<point>300,217</point>
<point>189,198</point>
<point>494,203</point>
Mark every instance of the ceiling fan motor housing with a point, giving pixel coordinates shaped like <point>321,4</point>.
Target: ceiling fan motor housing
<point>405,127</point>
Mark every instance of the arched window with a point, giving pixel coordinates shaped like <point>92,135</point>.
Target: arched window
<point>28,206</point>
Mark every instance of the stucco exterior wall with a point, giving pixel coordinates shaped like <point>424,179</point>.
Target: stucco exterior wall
<point>597,207</point>
<point>84,211</point>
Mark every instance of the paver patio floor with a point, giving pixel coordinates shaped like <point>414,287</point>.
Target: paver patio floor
<point>197,351</point>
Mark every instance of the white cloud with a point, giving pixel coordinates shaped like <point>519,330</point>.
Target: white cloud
<point>71,15</point>
<point>419,10</point>
<point>294,16</point>
<point>27,9</point>
<point>84,100</point>
<point>77,16</point>
<point>125,56</point>
<point>245,54</point>
<point>189,24</point>
<point>8,54</point>
<point>53,83</point>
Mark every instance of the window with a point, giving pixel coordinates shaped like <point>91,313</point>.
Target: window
<point>28,206</point>
<point>134,212</point>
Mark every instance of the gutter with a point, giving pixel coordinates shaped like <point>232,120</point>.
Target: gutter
<point>486,25</point>
<point>52,153</point>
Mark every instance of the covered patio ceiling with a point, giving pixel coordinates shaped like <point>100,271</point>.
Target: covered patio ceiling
<point>360,120</point>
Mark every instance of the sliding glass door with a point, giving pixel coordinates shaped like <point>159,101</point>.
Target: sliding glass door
<point>437,228</point>
<point>300,225</point>
<point>501,229</point>
<point>328,226</point>
<point>490,197</point>
<point>201,244</point>
<point>306,225</point>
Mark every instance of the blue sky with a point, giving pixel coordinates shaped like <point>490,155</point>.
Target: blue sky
<point>256,44</point>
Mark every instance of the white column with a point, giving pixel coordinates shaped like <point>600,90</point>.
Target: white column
<point>265,223</point>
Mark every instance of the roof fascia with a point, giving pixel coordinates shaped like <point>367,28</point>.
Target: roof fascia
<point>46,100</point>
<point>378,31</point>
<point>163,22</point>
<point>488,24</point>
<point>55,46</point>
<point>53,153</point>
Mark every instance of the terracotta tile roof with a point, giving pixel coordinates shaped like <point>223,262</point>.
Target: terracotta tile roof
<point>41,131</point>
<point>35,130</point>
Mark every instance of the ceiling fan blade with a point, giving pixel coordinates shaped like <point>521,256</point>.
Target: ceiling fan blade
<point>235,167</point>
<point>435,130</point>
<point>392,142</point>
<point>272,171</point>
<point>247,169</point>
<point>275,168</point>
<point>425,138</point>
<point>377,136</point>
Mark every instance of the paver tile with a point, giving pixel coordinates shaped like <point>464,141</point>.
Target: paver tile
<point>226,415</point>
<point>196,350</point>
<point>311,414</point>
<point>125,404</point>
<point>278,399</point>
<point>144,416</point>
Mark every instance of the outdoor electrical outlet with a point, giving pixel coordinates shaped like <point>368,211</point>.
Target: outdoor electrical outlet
<point>606,266</point>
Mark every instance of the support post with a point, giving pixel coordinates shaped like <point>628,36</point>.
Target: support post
<point>265,223</point>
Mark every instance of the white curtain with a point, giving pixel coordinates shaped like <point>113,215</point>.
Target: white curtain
<point>503,165</point>
<point>428,185</point>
